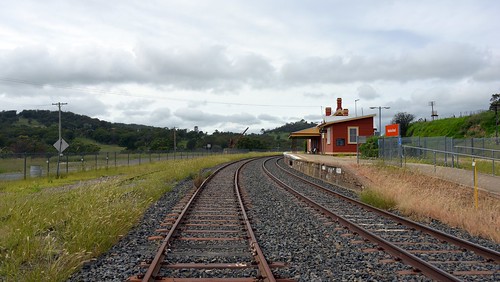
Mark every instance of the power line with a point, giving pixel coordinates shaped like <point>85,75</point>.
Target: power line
<point>107,92</point>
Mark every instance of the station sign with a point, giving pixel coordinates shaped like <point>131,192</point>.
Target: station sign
<point>392,130</point>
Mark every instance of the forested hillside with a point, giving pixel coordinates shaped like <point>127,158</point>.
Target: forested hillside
<point>34,131</point>
<point>293,126</point>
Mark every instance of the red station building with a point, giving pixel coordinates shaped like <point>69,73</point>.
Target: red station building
<point>336,134</point>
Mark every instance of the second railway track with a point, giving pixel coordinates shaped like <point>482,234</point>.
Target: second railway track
<point>438,255</point>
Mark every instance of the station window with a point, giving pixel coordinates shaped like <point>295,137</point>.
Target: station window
<point>328,135</point>
<point>340,142</point>
<point>352,133</point>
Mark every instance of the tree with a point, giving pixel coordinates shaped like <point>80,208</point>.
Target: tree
<point>191,144</point>
<point>495,106</point>
<point>494,101</point>
<point>404,119</point>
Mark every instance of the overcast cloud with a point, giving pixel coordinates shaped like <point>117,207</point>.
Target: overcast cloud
<point>227,65</point>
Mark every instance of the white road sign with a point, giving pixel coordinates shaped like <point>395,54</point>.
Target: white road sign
<point>63,144</point>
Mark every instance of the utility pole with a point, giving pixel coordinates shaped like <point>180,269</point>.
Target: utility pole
<point>433,113</point>
<point>175,144</point>
<point>59,104</point>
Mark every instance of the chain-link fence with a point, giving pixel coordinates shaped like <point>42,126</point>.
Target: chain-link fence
<point>19,166</point>
<point>443,151</point>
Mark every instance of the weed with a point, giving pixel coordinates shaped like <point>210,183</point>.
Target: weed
<point>376,199</point>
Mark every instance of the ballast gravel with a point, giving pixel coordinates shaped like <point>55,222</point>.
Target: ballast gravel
<point>314,248</point>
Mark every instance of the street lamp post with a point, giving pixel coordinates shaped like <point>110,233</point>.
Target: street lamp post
<point>356,106</point>
<point>380,117</point>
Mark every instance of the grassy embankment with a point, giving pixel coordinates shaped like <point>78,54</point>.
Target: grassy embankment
<point>424,197</point>
<point>477,126</point>
<point>48,227</point>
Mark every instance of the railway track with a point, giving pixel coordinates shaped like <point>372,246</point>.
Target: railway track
<point>428,251</point>
<point>209,237</point>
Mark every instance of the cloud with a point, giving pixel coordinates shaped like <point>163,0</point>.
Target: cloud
<point>367,92</point>
<point>315,95</point>
<point>176,63</point>
<point>187,68</point>
<point>208,67</point>
<point>91,106</point>
<point>312,118</point>
<point>87,65</point>
<point>433,61</point>
<point>267,117</point>
<point>203,118</point>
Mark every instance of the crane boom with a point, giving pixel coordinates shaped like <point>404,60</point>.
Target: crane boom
<point>233,143</point>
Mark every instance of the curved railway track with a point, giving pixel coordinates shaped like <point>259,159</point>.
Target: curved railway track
<point>210,238</point>
<point>435,254</point>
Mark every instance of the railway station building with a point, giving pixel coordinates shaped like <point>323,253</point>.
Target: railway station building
<point>336,134</point>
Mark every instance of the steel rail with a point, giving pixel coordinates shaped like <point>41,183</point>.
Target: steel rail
<point>156,264</point>
<point>264,269</point>
<point>478,249</point>
<point>428,269</point>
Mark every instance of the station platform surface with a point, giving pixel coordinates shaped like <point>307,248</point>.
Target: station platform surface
<point>485,182</point>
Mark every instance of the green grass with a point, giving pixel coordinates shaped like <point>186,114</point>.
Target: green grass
<point>13,165</point>
<point>48,227</point>
<point>104,147</point>
<point>478,125</point>
<point>375,199</point>
<point>27,122</point>
<point>450,127</point>
<point>482,166</point>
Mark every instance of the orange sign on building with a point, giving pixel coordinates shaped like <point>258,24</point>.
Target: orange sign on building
<point>392,130</point>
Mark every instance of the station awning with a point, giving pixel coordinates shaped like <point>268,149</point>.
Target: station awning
<point>306,133</point>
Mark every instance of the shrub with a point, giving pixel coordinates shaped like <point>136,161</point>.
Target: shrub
<point>370,148</point>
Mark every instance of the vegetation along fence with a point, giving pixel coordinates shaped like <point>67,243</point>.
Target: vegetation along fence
<point>443,151</point>
<point>19,166</point>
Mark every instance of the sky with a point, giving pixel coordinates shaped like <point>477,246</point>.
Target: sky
<point>227,65</point>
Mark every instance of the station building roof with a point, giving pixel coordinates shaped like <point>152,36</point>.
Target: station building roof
<point>306,133</point>
<point>330,120</point>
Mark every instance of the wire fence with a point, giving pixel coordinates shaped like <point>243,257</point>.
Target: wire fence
<point>24,166</point>
<point>442,151</point>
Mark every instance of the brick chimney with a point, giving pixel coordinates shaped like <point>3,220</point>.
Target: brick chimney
<point>339,104</point>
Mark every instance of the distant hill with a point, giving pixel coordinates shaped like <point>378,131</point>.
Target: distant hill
<point>34,131</point>
<point>293,126</point>
<point>477,126</point>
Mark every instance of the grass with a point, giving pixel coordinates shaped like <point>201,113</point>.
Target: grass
<point>16,165</point>
<point>48,227</point>
<point>482,166</point>
<point>375,199</point>
<point>477,125</point>
<point>104,147</point>
<point>423,197</point>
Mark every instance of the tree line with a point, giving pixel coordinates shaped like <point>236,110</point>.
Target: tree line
<point>34,131</point>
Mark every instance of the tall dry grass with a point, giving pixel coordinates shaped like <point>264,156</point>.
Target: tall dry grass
<point>423,197</point>
<point>48,227</point>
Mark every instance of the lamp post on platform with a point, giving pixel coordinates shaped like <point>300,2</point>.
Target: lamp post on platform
<point>380,117</point>
<point>356,106</point>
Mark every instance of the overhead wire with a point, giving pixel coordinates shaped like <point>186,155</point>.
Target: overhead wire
<point>109,92</point>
